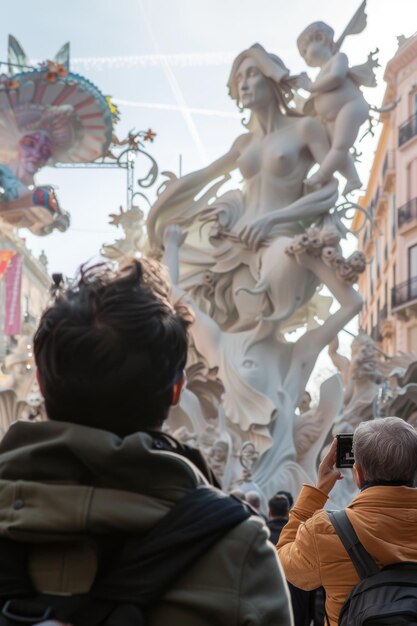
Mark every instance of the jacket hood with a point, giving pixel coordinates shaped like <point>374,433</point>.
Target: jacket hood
<point>59,479</point>
<point>377,513</point>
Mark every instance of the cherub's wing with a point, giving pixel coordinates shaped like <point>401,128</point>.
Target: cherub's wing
<point>16,56</point>
<point>356,25</point>
<point>63,55</point>
<point>364,74</point>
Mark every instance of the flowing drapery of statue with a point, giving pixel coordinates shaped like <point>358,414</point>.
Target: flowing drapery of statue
<point>249,262</point>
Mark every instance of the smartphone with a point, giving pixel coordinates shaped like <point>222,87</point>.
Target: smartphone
<point>344,452</point>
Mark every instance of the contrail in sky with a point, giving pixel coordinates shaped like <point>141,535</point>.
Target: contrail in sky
<point>175,107</point>
<point>186,59</point>
<point>175,87</point>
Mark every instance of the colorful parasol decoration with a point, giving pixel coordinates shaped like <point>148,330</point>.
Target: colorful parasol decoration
<point>48,115</point>
<point>76,115</point>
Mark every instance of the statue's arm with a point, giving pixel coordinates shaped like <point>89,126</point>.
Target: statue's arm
<point>313,342</point>
<point>335,75</point>
<point>309,206</point>
<point>341,362</point>
<point>205,332</point>
<point>176,203</point>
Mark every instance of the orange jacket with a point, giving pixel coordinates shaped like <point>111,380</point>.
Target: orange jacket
<point>385,520</point>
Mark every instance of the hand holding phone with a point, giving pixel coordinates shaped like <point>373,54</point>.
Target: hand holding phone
<point>328,474</point>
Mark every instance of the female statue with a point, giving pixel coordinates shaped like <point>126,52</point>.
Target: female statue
<point>252,286</point>
<point>250,274</point>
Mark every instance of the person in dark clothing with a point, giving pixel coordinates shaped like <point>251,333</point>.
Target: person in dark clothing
<point>288,495</point>
<point>107,505</point>
<point>302,601</point>
<point>279,508</point>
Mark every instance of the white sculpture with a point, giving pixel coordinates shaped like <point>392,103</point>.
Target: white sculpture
<point>335,96</point>
<point>361,377</point>
<point>248,262</point>
<point>264,375</point>
<point>254,228</point>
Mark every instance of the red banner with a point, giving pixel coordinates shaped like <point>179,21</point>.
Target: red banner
<point>12,313</point>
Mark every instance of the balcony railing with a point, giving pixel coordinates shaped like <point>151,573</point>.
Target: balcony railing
<point>404,292</point>
<point>407,212</point>
<point>407,130</point>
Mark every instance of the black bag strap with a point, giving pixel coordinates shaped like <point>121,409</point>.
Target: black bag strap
<point>143,570</point>
<point>361,559</point>
<point>135,574</point>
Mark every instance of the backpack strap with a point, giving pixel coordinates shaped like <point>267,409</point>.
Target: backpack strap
<point>361,559</point>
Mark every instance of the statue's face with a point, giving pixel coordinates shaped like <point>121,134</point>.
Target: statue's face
<point>317,51</point>
<point>35,150</point>
<point>304,402</point>
<point>255,90</point>
<point>248,451</point>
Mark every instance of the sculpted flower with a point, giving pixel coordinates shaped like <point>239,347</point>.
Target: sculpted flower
<point>329,254</point>
<point>346,273</point>
<point>357,261</point>
<point>330,236</point>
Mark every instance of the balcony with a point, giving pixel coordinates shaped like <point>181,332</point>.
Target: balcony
<point>388,172</point>
<point>407,213</point>
<point>404,296</point>
<point>407,130</point>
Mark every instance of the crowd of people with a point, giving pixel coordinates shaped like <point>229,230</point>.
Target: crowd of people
<point>104,519</point>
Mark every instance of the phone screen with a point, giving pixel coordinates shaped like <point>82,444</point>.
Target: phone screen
<point>344,452</point>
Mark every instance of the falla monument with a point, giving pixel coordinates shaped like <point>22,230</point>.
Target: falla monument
<point>250,262</point>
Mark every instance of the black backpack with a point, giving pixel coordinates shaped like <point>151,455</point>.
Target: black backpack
<point>133,573</point>
<point>383,597</point>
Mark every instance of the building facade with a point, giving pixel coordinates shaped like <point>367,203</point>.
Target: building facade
<point>389,238</point>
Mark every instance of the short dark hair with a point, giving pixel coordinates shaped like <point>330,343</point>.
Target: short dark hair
<point>279,506</point>
<point>288,495</point>
<point>110,349</point>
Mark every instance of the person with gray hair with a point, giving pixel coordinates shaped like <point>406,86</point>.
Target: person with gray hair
<point>383,515</point>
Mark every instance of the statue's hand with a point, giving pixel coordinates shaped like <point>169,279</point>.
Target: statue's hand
<point>173,236</point>
<point>253,234</point>
<point>303,81</point>
<point>315,181</point>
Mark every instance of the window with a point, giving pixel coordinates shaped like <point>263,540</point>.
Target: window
<point>412,262</point>
<point>412,272</point>
<point>393,217</point>
<point>412,339</point>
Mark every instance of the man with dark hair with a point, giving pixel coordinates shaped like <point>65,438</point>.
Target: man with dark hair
<point>102,516</point>
<point>279,508</point>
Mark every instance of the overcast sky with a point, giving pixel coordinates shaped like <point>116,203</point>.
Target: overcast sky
<point>168,62</point>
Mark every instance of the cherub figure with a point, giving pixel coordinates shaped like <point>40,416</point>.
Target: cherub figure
<point>336,97</point>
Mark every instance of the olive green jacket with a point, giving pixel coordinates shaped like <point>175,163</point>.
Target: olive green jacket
<point>60,483</point>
